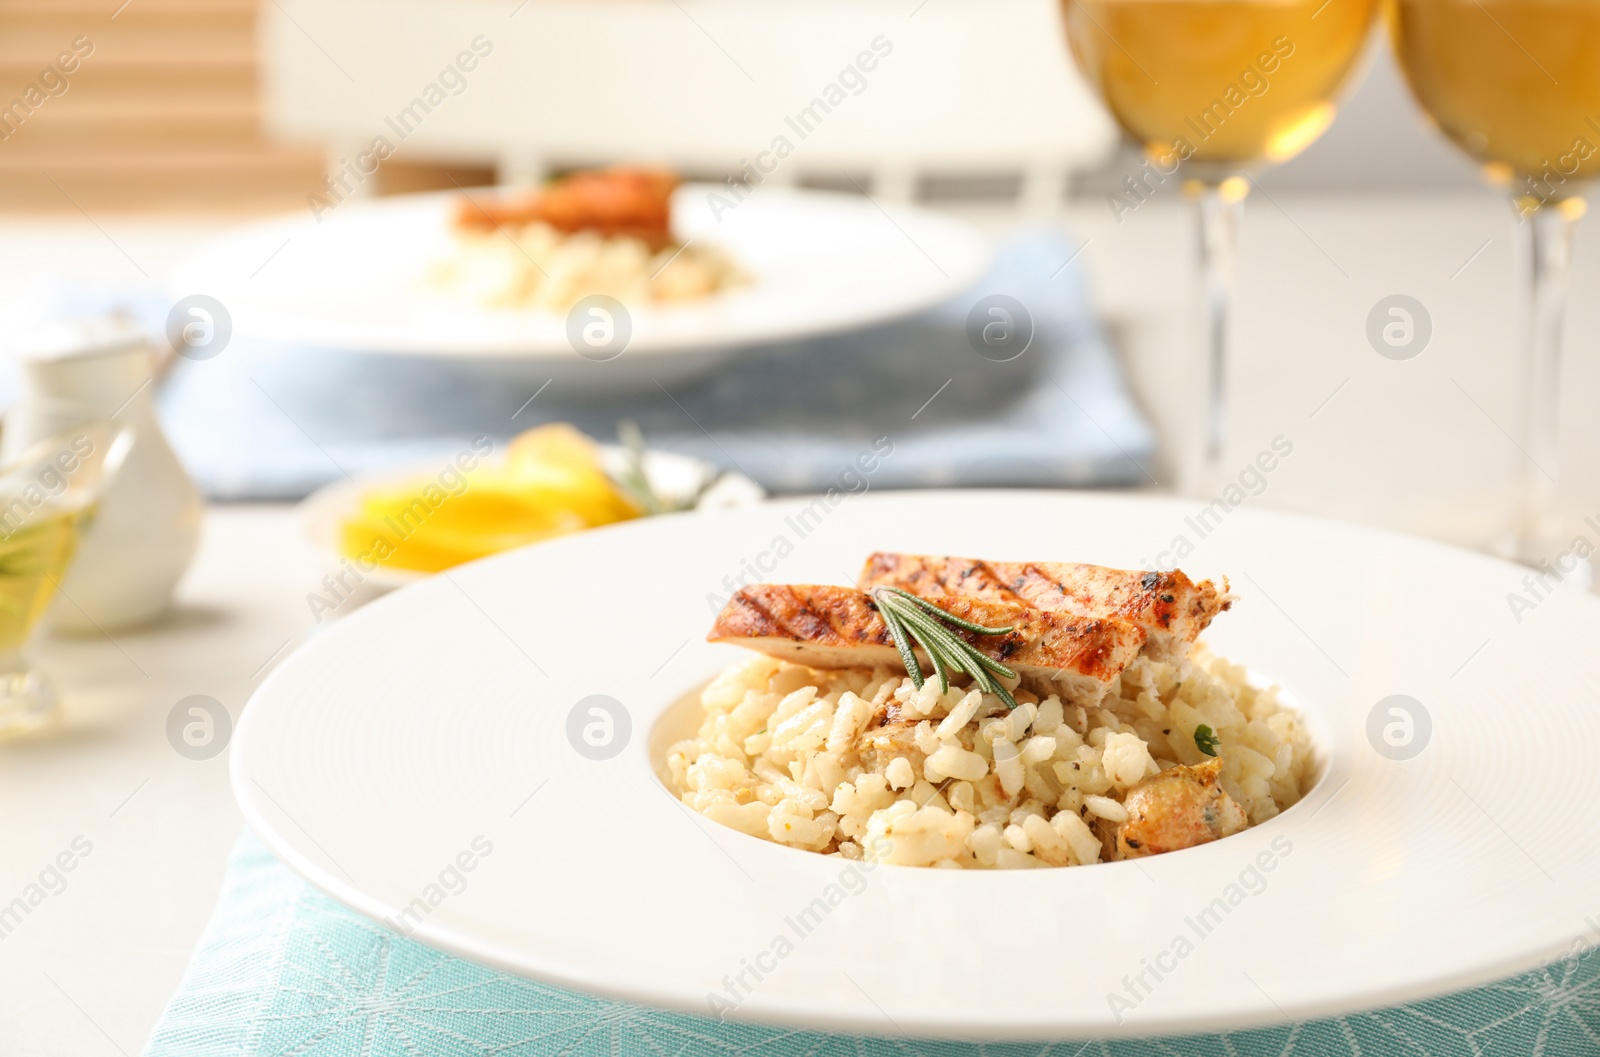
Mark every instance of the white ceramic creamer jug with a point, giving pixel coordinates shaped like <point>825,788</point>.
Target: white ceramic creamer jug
<point>147,522</point>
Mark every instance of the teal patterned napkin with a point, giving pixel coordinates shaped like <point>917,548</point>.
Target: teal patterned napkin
<point>283,970</point>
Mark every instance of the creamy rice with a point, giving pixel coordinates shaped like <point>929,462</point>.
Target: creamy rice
<point>536,266</point>
<point>861,764</point>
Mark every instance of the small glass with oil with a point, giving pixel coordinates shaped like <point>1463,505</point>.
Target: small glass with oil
<point>47,500</point>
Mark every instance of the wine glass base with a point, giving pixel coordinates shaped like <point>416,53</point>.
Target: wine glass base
<point>27,701</point>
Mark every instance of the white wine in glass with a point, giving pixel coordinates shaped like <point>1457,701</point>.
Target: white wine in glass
<point>1516,85</point>
<point>1212,89</point>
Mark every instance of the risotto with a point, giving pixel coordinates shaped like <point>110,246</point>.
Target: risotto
<point>536,266</point>
<point>859,763</point>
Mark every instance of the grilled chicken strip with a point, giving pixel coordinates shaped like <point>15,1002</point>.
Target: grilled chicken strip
<point>1171,608</point>
<point>839,627</point>
<point>1178,808</point>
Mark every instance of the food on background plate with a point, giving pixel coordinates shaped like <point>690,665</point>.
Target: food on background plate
<point>965,714</point>
<point>635,203</point>
<point>605,231</point>
<point>550,483</point>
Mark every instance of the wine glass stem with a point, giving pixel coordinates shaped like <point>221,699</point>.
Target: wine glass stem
<point>1218,205</point>
<point>1545,232</point>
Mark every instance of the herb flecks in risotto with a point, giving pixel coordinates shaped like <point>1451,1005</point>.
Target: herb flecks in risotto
<point>1126,738</point>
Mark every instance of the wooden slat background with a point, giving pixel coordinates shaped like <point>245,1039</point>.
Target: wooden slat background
<point>165,114</point>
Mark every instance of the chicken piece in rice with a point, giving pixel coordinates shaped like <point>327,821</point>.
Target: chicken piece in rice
<point>1178,808</point>
<point>860,763</point>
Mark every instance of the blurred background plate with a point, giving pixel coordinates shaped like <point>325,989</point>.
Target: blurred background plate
<point>818,263</point>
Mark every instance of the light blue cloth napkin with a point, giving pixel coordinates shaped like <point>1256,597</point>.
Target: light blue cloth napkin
<point>283,970</point>
<point>274,423</point>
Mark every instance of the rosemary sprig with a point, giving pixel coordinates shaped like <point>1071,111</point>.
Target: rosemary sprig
<point>916,621</point>
<point>633,477</point>
<point>634,480</point>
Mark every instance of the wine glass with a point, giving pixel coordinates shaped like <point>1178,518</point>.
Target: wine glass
<point>1212,89</point>
<point>1516,85</point>
<point>47,498</point>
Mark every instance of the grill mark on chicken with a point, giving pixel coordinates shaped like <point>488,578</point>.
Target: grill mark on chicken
<point>759,614</point>
<point>838,627</point>
<point>997,582</point>
<point>1171,607</point>
<point>821,618</point>
<point>1032,571</point>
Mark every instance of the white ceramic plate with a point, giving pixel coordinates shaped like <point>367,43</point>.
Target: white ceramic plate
<point>675,478</point>
<point>818,263</point>
<point>376,754</point>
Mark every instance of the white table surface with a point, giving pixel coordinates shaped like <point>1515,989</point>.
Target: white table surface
<point>89,971</point>
<point>1416,444</point>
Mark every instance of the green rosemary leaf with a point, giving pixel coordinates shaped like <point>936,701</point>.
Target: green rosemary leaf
<point>946,617</point>
<point>941,661</point>
<point>988,684</point>
<point>908,656</point>
<point>908,617</point>
<point>633,478</point>
<point>979,658</point>
<point>944,664</point>
<point>928,635</point>
<point>995,666</point>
